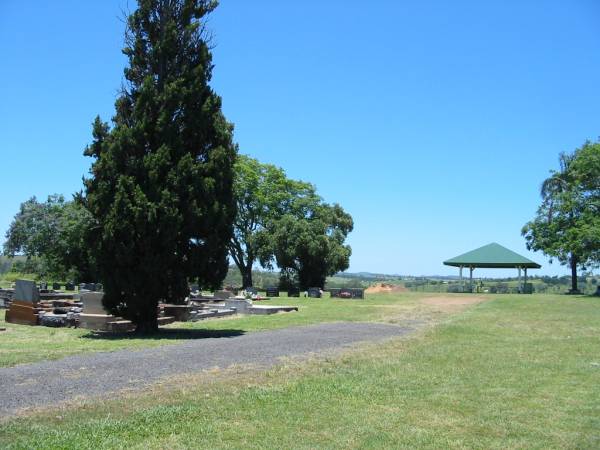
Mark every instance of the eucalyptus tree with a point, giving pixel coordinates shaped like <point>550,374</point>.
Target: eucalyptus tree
<point>263,195</point>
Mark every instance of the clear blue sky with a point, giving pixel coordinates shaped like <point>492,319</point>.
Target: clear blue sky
<point>432,122</point>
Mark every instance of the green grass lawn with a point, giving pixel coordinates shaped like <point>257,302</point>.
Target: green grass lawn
<point>22,344</point>
<point>514,372</point>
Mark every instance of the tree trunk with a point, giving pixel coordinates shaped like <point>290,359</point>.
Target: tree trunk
<point>147,322</point>
<point>247,277</point>
<point>147,327</point>
<point>574,289</point>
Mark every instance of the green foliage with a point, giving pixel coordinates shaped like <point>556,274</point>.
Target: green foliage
<point>567,223</point>
<point>29,265</point>
<point>161,182</point>
<point>263,195</point>
<point>284,221</point>
<point>54,232</point>
<point>311,247</point>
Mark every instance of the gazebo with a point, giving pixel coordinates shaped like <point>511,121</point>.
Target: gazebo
<point>492,256</point>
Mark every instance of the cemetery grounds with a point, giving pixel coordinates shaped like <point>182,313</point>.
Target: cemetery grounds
<point>489,371</point>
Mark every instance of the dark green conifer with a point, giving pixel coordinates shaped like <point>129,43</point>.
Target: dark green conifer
<point>160,189</point>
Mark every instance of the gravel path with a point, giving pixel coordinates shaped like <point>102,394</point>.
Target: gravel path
<point>100,374</point>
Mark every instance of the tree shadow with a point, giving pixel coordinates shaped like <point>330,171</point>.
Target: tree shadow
<point>165,334</point>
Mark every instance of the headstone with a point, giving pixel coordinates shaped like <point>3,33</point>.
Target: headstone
<point>23,308</point>
<point>70,286</point>
<point>251,290</point>
<point>89,287</point>
<point>43,285</point>
<point>293,292</point>
<point>345,293</point>
<point>94,316</point>
<point>273,292</point>
<point>358,293</point>
<point>314,292</point>
<point>92,302</point>
<point>334,292</point>
<point>194,288</point>
<point>56,286</point>
<point>26,291</point>
<point>222,295</point>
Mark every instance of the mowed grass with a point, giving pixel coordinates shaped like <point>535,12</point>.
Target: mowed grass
<point>24,344</point>
<point>514,372</point>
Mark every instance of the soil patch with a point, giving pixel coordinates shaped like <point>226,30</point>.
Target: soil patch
<point>385,287</point>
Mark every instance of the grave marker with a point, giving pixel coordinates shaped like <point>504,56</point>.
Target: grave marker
<point>334,292</point>
<point>26,291</point>
<point>314,292</point>
<point>94,316</point>
<point>272,292</point>
<point>24,306</point>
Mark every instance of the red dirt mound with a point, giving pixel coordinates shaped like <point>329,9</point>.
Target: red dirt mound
<point>385,287</point>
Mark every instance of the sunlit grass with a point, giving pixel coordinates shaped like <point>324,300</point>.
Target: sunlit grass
<point>515,372</point>
<point>22,344</point>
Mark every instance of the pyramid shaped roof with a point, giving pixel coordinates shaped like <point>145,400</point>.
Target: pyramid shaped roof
<point>493,256</point>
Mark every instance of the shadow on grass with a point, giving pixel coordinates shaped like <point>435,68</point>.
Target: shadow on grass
<point>166,333</point>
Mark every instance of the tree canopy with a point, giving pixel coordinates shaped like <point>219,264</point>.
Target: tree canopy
<point>284,222</point>
<point>567,223</point>
<point>263,195</point>
<point>311,247</point>
<point>54,231</point>
<point>161,185</point>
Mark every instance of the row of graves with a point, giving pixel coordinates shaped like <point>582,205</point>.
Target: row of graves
<point>313,292</point>
<point>30,304</point>
<point>239,301</point>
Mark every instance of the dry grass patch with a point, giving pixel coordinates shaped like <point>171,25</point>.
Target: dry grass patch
<point>451,303</point>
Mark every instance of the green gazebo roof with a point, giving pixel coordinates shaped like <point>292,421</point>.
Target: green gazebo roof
<point>492,256</point>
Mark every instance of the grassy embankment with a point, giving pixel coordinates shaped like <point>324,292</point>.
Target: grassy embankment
<point>514,372</point>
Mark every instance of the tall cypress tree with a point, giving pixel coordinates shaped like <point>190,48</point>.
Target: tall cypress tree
<point>160,189</point>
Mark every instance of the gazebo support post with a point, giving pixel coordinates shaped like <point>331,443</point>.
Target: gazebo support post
<point>520,287</point>
<point>471,278</point>
<point>462,284</point>
<point>525,278</point>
